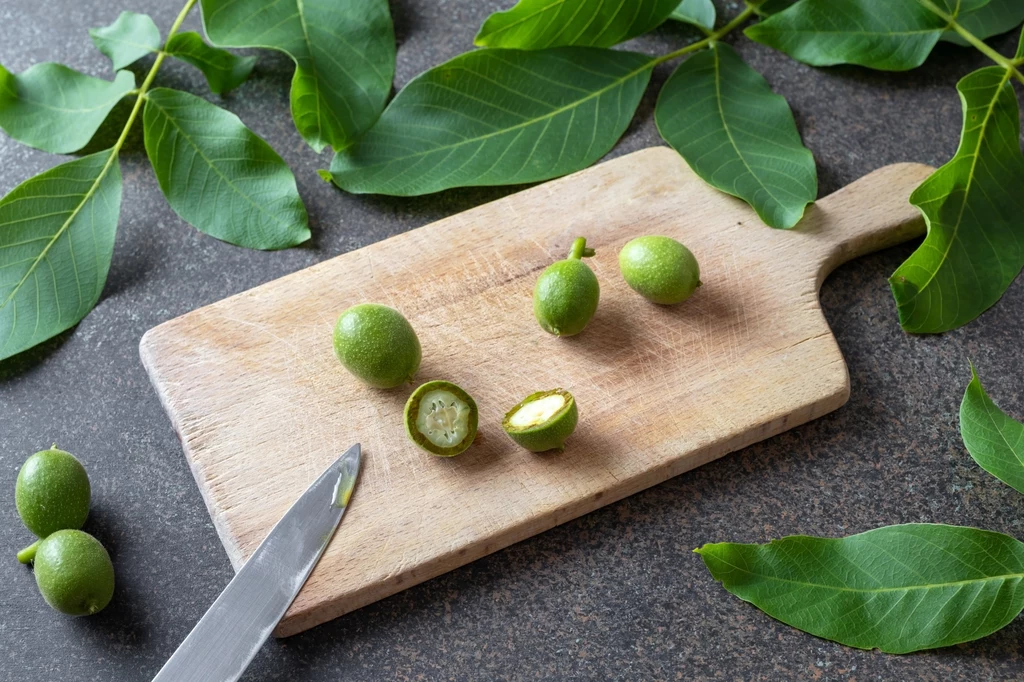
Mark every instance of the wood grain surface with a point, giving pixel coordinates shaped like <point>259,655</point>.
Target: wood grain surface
<point>262,406</point>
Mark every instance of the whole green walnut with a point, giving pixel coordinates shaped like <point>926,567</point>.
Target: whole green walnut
<point>660,269</point>
<point>74,573</point>
<point>377,344</point>
<point>52,492</point>
<point>566,294</point>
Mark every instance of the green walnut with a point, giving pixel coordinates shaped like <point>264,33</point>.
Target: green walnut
<point>52,492</point>
<point>660,269</point>
<point>74,573</point>
<point>543,420</point>
<point>377,344</point>
<point>441,418</point>
<point>566,294</point>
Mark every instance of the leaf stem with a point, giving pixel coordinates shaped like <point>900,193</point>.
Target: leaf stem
<point>579,249</point>
<point>144,88</point>
<point>713,37</point>
<point>976,42</point>
<point>141,91</point>
<point>28,555</point>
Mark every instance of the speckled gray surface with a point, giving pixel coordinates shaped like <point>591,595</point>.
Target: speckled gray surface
<point>616,595</point>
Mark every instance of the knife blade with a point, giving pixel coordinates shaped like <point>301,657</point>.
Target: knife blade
<point>226,639</point>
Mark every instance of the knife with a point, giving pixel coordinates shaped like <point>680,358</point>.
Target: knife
<point>226,639</point>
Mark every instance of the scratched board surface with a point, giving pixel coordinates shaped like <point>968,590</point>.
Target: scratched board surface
<point>262,406</point>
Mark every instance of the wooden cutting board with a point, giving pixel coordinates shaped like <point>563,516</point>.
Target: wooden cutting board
<point>262,406</point>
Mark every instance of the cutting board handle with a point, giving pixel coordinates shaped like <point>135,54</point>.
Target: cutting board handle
<point>868,215</point>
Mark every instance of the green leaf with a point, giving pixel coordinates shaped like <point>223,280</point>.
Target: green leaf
<point>973,207</point>
<point>220,176</point>
<point>898,588</point>
<point>128,39</point>
<point>959,7</point>
<point>541,24</point>
<point>700,13</point>
<point>57,109</point>
<point>56,240</point>
<point>344,55</point>
<point>892,36</point>
<point>738,135</point>
<point>1020,48</point>
<point>774,6</point>
<point>498,117</point>
<point>995,17</point>
<point>223,70</point>
<point>995,441</point>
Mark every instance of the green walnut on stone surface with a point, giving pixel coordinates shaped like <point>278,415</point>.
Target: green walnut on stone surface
<point>73,571</point>
<point>52,492</point>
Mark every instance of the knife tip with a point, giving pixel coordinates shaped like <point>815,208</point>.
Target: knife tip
<point>353,455</point>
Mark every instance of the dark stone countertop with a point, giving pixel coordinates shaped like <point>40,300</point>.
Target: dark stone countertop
<point>614,595</point>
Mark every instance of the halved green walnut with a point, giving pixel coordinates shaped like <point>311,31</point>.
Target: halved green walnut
<point>441,418</point>
<point>543,420</point>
